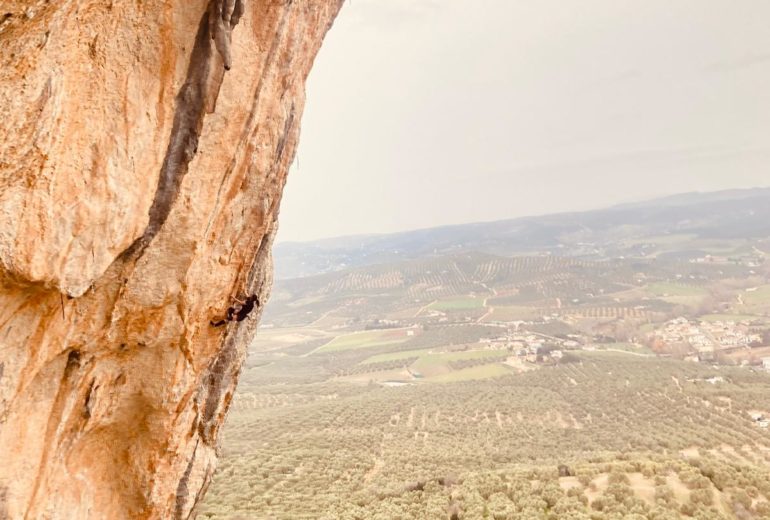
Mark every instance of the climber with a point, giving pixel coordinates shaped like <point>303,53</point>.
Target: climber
<point>239,311</point>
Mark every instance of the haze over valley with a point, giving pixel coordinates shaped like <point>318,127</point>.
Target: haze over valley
<point>516,268</point>
<point>602,364</point>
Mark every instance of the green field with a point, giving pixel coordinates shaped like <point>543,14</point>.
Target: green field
<point>374,338</point>
<point>626,347</point>
<point>513,313</point>
<point>676,289</point>
<point>678,293</point>
<point>435,365</point>
<point>472,373</point>
<point>436,358</point>
<point>647,328</point>
<point>429,357</point>
<point>458,304</point>
<point>393,356</point>
<point>758,297</point>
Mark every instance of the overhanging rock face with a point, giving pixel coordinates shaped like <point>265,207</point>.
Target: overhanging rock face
<point>139,189</point>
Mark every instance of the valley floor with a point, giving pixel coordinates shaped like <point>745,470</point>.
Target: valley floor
<point>607,435</point>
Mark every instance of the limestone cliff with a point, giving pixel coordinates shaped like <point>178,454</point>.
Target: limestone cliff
<point>140,183</point>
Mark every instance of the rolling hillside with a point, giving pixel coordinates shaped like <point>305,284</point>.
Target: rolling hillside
<point>695,223</point>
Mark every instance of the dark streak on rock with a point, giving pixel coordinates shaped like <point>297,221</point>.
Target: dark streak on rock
<point>261,258</point>
<point>286,129</point>
<point>87,403</point>
<point>222,375</point>
<point>73,362</point>
<point>182,489</point>
<point>55,418</point>
<point>183,143</point>
<point>4,503</point>
<point>191,102</point>
<point>214,384</point>
<point>200,493</point>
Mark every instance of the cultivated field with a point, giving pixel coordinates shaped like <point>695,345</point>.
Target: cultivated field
<point>538,386</point>
<point>608,435</point>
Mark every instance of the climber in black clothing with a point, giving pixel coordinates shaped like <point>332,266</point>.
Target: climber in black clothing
<point>239,311</point>
<point>246,307</point>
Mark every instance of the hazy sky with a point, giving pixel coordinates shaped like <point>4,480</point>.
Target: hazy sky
<point>430,112</point>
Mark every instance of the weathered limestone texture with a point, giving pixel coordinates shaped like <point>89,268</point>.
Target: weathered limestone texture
<point>139,189</point>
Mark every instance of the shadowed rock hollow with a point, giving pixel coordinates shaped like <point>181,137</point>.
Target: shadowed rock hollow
<point>139,190</point>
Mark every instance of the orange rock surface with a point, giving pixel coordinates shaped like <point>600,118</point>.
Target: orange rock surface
<point>140,184</point>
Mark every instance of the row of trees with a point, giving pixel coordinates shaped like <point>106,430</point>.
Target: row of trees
<point>604,417</point>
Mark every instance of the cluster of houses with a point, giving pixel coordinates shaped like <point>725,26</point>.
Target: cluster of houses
<point>746,260</point>
<point>707,337</point>
<point>531,347</point>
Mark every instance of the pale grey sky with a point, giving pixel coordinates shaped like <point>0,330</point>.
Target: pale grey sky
<point>431,112</point>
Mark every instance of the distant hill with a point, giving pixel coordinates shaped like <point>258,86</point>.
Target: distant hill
<point>690,219</point>
<point>377,289</point>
